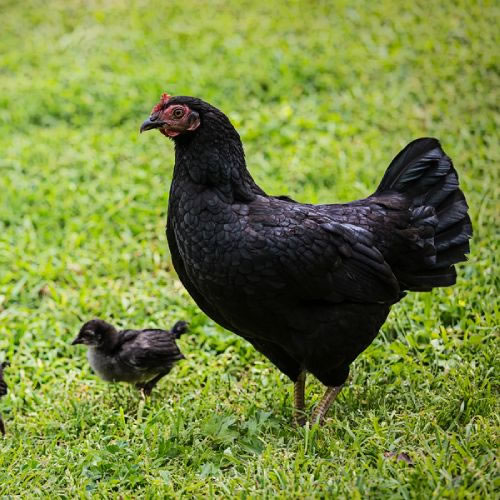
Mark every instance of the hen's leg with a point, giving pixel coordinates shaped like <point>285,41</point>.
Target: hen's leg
<point>290,367</point>
<point>2,427</point>
<point>328,398</point>
<point>299,399</point>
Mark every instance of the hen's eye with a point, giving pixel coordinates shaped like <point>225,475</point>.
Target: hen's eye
<point>178,113</point>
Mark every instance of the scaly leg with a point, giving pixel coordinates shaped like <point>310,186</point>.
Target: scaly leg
<point>329,397</point>
<point>299,416</point>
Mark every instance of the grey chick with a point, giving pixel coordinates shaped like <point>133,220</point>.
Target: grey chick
<point>3,392</point>
<point>140,357</point>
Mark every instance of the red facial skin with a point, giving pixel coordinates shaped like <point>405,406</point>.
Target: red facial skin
<point>178,118</point>
<point>163,101</point>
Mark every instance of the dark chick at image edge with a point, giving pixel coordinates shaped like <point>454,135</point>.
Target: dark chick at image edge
<point>140,357</point>
<point>3,392</point>
<point>309,286</point>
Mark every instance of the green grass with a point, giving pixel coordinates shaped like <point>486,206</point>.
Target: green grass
<point>323,96</point>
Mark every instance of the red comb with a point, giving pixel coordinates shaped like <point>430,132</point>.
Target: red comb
<point>164,99</point>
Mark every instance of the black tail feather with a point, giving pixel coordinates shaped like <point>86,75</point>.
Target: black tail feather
<point>439,220</point>
<point>179,328</point>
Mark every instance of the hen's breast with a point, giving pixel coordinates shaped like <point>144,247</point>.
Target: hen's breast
<point>209,236</point>
<point>226,264</point>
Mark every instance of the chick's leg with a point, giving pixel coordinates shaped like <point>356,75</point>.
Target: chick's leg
<point>148,387</point>
<point>328,398</point>
<point>299,400</point>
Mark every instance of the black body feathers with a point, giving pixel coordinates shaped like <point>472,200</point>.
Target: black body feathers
<point>308,285</point>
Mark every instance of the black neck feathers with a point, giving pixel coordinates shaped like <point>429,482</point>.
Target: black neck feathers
<point>213,157</point>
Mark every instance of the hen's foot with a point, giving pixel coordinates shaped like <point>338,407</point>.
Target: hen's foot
<point>299,416</point>
<point>319,413</point>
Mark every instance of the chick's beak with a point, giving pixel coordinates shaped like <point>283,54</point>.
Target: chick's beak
<point>78,340</point>
<point>151,124</point>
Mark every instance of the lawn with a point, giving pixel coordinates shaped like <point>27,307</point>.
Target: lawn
<point>324,94</point>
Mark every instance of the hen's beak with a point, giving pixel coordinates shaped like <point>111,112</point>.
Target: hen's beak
<point>151,124</point>
<point>78,340</point>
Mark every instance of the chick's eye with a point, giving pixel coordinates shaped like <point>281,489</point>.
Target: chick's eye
<point>178,113</point>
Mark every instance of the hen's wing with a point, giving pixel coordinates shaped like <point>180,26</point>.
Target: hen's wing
<point>148,350</point>
<point>314,256</point>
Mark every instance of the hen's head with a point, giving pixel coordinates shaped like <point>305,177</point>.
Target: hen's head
<point>174,116</point>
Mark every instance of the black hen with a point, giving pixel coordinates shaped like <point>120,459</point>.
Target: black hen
<point>3,392</point>
<point>308,285</point>
<point>141,357</point>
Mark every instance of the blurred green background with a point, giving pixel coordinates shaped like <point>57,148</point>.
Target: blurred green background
<point>324,94</point>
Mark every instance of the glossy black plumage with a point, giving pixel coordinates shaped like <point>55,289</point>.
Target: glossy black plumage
<point>141,357</point>
<point>3,392</point>
<point>308,285</point>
